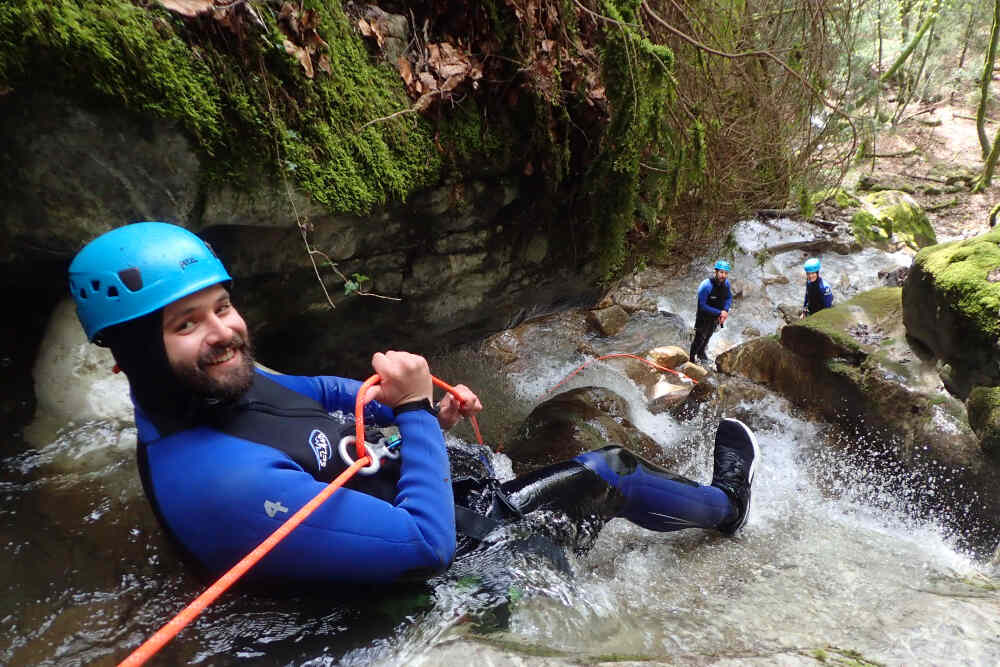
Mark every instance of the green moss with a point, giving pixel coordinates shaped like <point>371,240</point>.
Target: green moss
<point>889,215</point>
<point>882,304</point>
<point>960,270</point>
<point>639,90</point>
<point>243,102</point>
<point>983,406</point>
<point>846,370</point>
<point>868,230</point>
<point>839,196</point>
<point>110,50</point>
<point>466,139</point>
<point>831,323</point>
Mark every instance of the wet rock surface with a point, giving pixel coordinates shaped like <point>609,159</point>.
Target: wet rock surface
<point>579,421</point>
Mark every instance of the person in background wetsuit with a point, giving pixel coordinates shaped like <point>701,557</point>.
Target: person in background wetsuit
<point>227,451</point>
<point>818,293</point>
<point>715,298</point>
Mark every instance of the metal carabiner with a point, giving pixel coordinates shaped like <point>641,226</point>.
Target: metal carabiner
<point>377,451</point>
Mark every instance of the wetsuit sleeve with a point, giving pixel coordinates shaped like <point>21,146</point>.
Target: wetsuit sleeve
<point>827,296</point>
<point>334,393</point>
<point>221,496</point>
<point>729,298</point>
<point>703,291</point>
<point>805,299</point>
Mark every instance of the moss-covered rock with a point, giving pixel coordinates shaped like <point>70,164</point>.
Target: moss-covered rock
<point>853,365</point>
<point>951,303</point>
<point>836,196</point>
<point>243,102</point>
<point>840,331</point>
<point>890,216</point>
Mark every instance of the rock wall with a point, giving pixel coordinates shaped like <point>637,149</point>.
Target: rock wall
<point>951,300</point>
<point>463,259</point>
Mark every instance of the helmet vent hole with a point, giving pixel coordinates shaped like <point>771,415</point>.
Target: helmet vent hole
<point>95,285</point>
<point>131,278</point>
<point>83,294</point>
<point>112,291</point>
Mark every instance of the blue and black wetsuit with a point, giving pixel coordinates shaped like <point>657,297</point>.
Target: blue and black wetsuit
<point>818,296</point>
<point>221,487</point>
<point>713,298</point>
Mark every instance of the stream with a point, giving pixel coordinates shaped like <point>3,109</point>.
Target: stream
<point>831,567</point>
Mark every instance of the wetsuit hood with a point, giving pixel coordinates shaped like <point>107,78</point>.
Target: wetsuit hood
<point>139,351</point>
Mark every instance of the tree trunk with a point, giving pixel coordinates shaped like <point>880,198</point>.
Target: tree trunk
<point>984,89</point>
<point>908,49</point>
<point>902,57</point>
<point>878,26</point>
<point>905,7</point>
<point>991,163</point>
<point>968,33</point>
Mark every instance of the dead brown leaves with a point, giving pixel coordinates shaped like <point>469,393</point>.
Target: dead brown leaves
<point>302,41</point>
<point>551,60</point>
<point>557,59</point>
<point>301,38</point>
<point>429,70</point>
<point>234,15</point>
<point>188,7</point>
<point>442,68</point>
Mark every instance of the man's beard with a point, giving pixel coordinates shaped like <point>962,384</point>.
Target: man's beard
<point>228,388</point>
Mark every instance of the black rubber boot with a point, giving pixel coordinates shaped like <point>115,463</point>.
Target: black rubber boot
<point>736,456</point>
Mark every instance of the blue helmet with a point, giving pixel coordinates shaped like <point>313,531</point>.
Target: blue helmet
<point>134,270</point>
<point>722,265</point>
<point>812,265</point>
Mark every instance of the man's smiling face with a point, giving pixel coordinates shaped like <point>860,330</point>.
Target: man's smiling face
<point>207,344</point>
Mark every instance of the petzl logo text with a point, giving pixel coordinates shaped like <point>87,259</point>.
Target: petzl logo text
<point>321,447</point>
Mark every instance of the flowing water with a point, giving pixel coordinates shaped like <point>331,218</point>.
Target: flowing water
<point>832,566</point>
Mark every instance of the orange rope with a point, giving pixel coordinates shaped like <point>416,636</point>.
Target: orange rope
<point>613,356</point>
<point>189,613</point>
<point>454,392</point>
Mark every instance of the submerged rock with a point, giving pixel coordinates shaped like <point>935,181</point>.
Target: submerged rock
<point>608,321</point>
<point>984,417</point>
<point>578,421</point>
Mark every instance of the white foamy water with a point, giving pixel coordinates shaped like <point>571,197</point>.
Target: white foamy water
<point>816,569</point>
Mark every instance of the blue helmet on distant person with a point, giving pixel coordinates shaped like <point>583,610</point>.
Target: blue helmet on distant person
<point>722,265</point>
<point>134,270</point>
<point>812,265</point>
